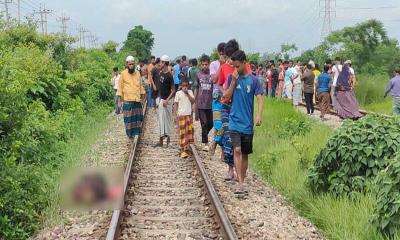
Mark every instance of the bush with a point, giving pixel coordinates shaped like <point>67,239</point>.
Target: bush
<point>355,155</point>
<point>47,90</point>
<point>386,217</point>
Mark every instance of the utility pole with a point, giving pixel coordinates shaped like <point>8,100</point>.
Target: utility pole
<point>6,9</point>
<point>63,19</point>
<point>93,40</point>
<point>328,8</point>
<point>82,37</point>
<point>43,18</point>
<point>19,12</point>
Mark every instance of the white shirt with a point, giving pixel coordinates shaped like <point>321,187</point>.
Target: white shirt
<point>352,71</point>
<point>184,104</point>
<point>115,80</point>
<point>336,71</point>
<point>296,71</point>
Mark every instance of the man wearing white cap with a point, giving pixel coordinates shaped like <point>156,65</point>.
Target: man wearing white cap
<point>166,92</point>
<point>130,93</point>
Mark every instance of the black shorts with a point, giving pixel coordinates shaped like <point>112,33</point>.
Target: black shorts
<point>244,141</point>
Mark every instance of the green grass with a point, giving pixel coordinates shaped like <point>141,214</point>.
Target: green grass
<point>276,159</point>
<point>86,135</point>
<point>369,92</point>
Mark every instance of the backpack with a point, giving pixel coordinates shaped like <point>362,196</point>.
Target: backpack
<point>184,73</point>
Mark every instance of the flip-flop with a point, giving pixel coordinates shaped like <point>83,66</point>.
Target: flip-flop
<point>238,192</point>
<point>228,179</point>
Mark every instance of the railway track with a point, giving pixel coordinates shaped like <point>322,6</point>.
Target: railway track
<point>331,111</point>
<point>167,197</point>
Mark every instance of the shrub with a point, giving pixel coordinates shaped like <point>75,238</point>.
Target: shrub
<point>386,217</point>
<point>355,154</point>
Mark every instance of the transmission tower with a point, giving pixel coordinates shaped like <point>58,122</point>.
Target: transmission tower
<point>43,18</point>
<point>63,19</point>
<point>6,8</point>
<point>82,37</point>
<point>327,7</point>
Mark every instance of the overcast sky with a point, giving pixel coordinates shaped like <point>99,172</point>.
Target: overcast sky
<point>193,27</point>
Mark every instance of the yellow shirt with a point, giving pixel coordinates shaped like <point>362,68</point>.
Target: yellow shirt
<point>130,86</point>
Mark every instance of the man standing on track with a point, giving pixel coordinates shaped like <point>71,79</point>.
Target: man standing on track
<point>203,96</point>
<point>150,101</point>
<point>130,94</point>
<point>242,88</point>
<point>166,93</point>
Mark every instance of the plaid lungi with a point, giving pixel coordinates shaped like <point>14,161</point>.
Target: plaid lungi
<point>185,131</point>
<point>133,118</point>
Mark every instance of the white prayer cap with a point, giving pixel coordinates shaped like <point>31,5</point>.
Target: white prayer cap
<point>130,59</point>
<point>347,62</point>
<point>164,58</point>
<point>312,63</point>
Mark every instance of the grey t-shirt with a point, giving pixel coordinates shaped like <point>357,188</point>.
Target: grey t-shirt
<point>205,89</point>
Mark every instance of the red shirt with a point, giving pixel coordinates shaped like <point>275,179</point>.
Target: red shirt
<point>224,73</point>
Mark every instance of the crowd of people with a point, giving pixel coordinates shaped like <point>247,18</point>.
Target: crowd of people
<point>220,94</point>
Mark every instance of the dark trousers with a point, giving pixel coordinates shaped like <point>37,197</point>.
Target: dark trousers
<point>309,102</point>
<point>206,121</point>
<point>274,85</point>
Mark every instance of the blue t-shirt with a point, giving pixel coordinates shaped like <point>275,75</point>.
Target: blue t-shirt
<point>241,115</point>
<point>177,70</point>
<point>323,82</point>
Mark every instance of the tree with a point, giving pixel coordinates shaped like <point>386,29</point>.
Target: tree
<point>358,42</point>
<point>110,47</point>
<point>288,49</point>
<point>140,41</point>
<point>253,58</point>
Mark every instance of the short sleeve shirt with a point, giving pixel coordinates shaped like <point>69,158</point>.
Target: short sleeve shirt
<point>241,115</point>
<point>177,70</point>
<point>165,84</point>
<point>205,89</point>
<point>214,67</point>
<point>184,104</point>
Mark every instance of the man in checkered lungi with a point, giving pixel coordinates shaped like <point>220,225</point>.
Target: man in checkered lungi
<point>184,99</point>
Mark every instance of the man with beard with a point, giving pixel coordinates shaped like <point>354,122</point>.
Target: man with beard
<point>130,94</point>
<point>166,91</point>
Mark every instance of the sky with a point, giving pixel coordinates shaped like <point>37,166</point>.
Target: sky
<point>193,27</point>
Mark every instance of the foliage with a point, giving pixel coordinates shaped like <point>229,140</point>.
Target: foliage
<point>46,90</point>
<point>294,127</point>
<point>370,88</point>
<point>139,42</point>
<point>287,50</point>
<point>387,193</point>
<point>253,58</point>
<point>278,162</point>
<point>355,154</point>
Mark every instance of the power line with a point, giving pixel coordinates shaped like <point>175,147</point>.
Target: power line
<point>368,8</point>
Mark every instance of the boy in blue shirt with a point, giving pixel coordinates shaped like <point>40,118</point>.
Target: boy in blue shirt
<point>243,86</point>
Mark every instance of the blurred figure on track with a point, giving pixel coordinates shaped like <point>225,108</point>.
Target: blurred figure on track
<point>184,99</point>
<point>323,85</point>
<point>288,84</point>
<point>308,79</point>
<point>346,103</point>
<point>394,88</point>
<point>216,104</point>
<point>166,92</point>
<point>242,88</point>
<point>130,95</point>
<point>114,82</point>
<point>177,70</point>
<point>203,96</point>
